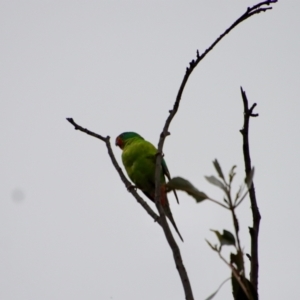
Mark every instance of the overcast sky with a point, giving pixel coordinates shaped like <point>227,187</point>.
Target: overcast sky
<point>68,227</point>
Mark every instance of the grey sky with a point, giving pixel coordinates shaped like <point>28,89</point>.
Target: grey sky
<point>68,227</point>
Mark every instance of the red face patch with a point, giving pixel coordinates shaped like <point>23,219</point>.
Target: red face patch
<point>119,142</point>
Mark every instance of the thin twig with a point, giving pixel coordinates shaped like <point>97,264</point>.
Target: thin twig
<point>126,182</point>
<point>217,202</point>
<point>254,230</point>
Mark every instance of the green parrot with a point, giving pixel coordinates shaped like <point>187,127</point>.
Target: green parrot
<point>139,157</point>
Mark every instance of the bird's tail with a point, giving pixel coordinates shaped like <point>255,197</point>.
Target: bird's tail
<point>167,210</point>
<point>170,217</point>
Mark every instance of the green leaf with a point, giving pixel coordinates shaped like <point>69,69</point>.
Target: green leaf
<point>232,174</point>
<point>249,178</point>
<point>227,238</point>
<point>214,294</point>
<point>181,184</point>
<point>239,193</point>
<point>215,181</point>
<point>218,169</point>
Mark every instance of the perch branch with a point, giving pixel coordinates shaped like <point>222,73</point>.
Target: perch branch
<point>126,182</point>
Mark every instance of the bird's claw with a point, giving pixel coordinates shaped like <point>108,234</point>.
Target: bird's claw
<point>159,153</point>
<point>131,187</point>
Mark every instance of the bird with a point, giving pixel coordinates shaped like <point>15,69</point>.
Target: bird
<point>139,159</point>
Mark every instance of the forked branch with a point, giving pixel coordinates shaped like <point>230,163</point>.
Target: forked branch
<point>256,9</point>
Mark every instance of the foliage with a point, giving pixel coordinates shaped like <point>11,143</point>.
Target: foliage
<point>241,286</point>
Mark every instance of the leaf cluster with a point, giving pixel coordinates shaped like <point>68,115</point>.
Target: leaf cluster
<point>181,184</point>
<point>241,286</point>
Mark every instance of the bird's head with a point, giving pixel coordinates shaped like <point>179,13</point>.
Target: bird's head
<point>126,137</point>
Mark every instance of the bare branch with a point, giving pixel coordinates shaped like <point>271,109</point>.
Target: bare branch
<point>254,230</point>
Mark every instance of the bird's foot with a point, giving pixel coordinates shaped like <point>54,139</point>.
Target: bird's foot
<point>159,153</point>
<point>131,187</point>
